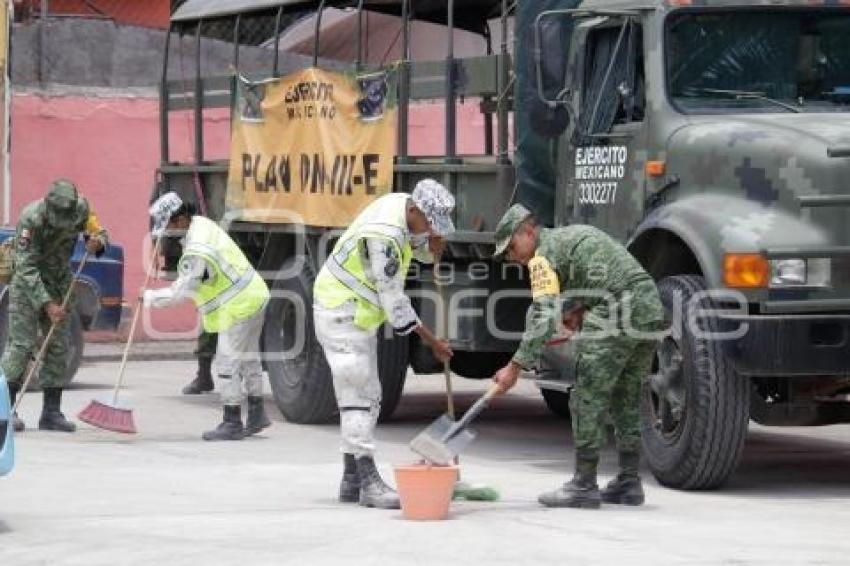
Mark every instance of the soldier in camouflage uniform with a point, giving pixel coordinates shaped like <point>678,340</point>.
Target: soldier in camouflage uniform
<point>205,351</point>
<point>581,269</point>
<point>44,241</point>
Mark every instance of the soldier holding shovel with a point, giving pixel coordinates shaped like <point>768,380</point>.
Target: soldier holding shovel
<point>581,262</point>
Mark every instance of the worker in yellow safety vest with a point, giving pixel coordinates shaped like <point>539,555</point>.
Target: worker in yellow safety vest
<point>360,286</point>
<point>231,298</point>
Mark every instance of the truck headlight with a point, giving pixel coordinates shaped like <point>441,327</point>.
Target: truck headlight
<point>796,272</point>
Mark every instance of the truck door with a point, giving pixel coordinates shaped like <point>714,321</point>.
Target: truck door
<point>602,164</point>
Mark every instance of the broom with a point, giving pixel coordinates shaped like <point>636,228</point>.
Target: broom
<point>462,489</point>
<point>109,415</point>
<point>43,349</point>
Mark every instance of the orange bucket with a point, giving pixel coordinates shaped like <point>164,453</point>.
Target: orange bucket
<point>425,491</point>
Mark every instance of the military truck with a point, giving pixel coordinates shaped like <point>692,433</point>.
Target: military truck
<point>711,137</point>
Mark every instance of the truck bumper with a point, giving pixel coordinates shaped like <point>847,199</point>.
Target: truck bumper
<point>776,345</point>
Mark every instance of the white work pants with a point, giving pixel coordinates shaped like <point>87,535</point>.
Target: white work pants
<point>352,355</point>
<point>237,360</point>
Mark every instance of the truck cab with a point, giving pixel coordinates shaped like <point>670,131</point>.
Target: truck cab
<point>713,139</point>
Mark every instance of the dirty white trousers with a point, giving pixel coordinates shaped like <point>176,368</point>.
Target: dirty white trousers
<point>352,355</point>
<point>238,360</point>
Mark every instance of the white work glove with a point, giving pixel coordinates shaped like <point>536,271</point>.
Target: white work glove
<point>148,298</point>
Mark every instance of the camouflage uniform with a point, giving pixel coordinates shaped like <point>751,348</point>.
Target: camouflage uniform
<point>46,234</point>
<point>581,265</point>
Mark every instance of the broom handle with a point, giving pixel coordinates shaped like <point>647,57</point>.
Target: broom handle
<point>120,381</point>
<point>46,342</point>
<point>447,372</point>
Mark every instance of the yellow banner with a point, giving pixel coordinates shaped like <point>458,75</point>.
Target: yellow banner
<point>313,147</point>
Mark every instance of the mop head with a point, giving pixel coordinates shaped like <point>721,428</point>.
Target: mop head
<point>105,416</point>
<point>475,492</point>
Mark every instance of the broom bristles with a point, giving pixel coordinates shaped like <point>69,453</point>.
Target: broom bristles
<point>105,416</point>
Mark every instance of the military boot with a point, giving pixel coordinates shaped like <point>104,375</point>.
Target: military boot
<point>257,418</point>
<point>626,488</point>
<point>51,417</point>
<point>230,428</point>
<point>203,382</point>
<point>349,487</point>
<point>373,491</point>
<point>17,424</point>
<point>581,491</point>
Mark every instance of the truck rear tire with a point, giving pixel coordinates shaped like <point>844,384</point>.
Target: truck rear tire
<point>302,383</point>
<point>694,406</point>
<point>393,354</point>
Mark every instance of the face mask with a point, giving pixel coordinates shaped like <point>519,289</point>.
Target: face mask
<point>419,240</point>
<point>421,251</point>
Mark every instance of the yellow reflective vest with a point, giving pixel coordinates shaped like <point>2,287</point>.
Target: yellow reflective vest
<point>234,292</point>
<point>344,278</point>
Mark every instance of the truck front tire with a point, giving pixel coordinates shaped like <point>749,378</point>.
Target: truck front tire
<point>694,406</point>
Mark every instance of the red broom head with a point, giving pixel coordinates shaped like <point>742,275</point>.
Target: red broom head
<point>107,417</point>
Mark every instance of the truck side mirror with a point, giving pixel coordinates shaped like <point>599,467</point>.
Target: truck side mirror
<point>551,43</point>
<point>552,34</point>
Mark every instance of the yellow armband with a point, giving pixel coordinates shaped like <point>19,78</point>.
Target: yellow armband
<point>92,225</point>
<point>544,279</point>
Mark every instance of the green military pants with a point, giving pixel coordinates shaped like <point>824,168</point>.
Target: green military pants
<point>612,365</point>
<point>22,342</point>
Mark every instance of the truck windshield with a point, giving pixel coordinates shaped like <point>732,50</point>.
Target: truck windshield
<point>759,61</point>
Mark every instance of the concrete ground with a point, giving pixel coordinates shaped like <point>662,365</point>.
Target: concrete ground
<point>165,497</point>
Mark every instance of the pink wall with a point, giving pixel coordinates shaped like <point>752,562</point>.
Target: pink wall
<point>110,147</point>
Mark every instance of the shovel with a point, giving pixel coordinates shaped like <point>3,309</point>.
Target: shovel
<point>445,438</point>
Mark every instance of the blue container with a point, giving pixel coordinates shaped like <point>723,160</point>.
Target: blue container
<point>99,295</point>
<point>7,439</point>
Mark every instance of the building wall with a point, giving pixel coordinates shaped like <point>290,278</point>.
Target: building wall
<point>146,13</point>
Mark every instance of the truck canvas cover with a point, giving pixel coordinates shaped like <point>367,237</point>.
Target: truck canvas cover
<point>470,15</point>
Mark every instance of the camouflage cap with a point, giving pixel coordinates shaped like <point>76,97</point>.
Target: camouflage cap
<point>163,209</point>
<point>507,226</point>
<point>62,195</point>
<point>436,203</point>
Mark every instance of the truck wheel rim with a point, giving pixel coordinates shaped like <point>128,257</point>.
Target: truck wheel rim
<point>667,390</point>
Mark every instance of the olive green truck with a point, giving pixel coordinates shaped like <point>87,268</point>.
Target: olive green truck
<point>711,137</point>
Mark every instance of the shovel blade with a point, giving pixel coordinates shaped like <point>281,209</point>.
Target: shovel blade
<point>433,445</point>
